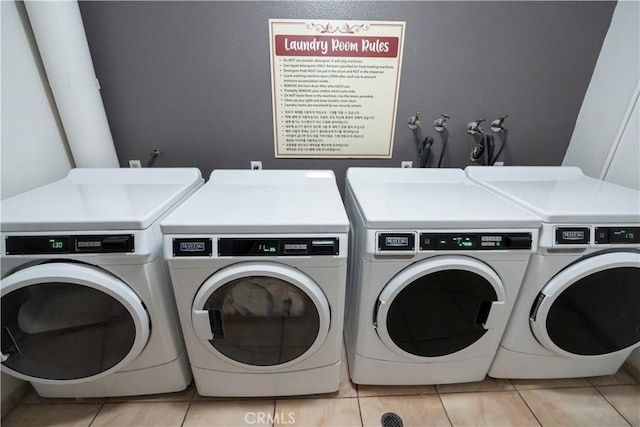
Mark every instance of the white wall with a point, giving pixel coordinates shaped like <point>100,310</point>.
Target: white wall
<point>609,99</point>
<point>33,149</point>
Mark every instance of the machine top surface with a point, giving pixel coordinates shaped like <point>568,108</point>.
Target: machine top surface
<point>99,199</point>
<point>431,198</point>
<point>561,194</point>
<point>262,201</point>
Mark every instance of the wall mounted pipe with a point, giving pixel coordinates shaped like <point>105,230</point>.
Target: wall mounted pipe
<point>62,42</point>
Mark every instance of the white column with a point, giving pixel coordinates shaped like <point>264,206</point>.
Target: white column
<point>59,33</point>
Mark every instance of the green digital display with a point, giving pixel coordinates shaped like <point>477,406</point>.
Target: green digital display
<point>57,244</point>
<point>456,241</point>
<point>626,235</point>
<point>268,247</point>
<point>463,242</point>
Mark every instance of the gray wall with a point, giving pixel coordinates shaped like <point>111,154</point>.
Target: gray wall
<point>193,78</point>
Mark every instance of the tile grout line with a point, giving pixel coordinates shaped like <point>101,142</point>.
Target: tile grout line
<point>97,413</point>
<point>611,404</point>
<point>529,407</point>
<point>275,404</point>
<point>444,408</point>
<point>184,418</point>
<point>346,361</point>
<point>360,411</point>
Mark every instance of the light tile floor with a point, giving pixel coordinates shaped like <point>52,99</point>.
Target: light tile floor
<point>601,401</point>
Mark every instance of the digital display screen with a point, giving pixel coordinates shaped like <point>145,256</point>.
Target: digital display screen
<point>624,235</point>
<point>453,241</point>
<point>37,244</point>
<point>59,245</point>
<point>248,247</point>
<point>267,246</point>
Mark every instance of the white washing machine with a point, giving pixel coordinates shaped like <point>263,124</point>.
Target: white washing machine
<point>258,263</point>
<point>578,313</point>
<point>87,306</point>
<point>435,266</point>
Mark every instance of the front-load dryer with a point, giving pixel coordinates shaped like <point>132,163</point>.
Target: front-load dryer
<point>578,312</point>
<point>435,266</point>
<point>258,264</point>
<point>87,306</point>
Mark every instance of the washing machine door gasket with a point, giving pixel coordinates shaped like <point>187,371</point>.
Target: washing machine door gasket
<point>264,316</point>
<point>439,306</point>
<point>69,323</point>
<point>591,309</point>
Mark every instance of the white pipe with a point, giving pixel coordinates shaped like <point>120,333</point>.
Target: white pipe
<point>62,42</point>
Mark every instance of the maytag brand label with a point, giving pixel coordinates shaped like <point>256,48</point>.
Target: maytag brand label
<point>572,236</point>
<point>192,247</point>
<point>396,241</point>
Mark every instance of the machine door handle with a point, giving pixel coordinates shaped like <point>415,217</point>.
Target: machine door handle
<point>215,321</point>
<point>494,318</point>
<point>200,320</point>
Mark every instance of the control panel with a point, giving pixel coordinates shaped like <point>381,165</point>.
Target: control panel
<point>617,235</point>
<point>390,242</point>
<point>92,244</point>
<point>290,246</point>
<point>602,235</point>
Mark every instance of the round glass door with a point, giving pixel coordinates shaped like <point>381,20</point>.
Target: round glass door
<point>261,315</point>
<point>592,308</point>
<point>64,323</point>
<point>438,307</point>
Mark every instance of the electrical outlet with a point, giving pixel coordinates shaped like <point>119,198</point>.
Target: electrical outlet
<point>256,165</point>
<point>406,164</point>
<point>135,164</point>
<point>498,164</point>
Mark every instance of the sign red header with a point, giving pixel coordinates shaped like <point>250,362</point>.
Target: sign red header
<point>350,46</point>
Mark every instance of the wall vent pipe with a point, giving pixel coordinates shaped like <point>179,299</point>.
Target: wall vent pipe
<point>62,42</point>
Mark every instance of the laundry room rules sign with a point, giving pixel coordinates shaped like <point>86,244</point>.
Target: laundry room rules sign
<point>335,87</point>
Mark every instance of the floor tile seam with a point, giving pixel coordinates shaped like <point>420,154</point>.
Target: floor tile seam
<point>311,398</point>
<point>184,417</point>
<point>616,385</point>
<point>635,382</point>
<point>612,405</point>
<point>477,391</point>
<point>144,403</point>
<point>445,409</point>
<point>273,414</point>
<point>315,398</point>
<point>360,411</point>
<point>556,388</point>
<point>95,416</point>
<point>149,401</point>
<point>470,391</point>
<point>529,407</point>
<point>60,403</point>
<point>394,395</point>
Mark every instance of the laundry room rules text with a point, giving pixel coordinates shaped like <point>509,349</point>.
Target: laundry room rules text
<point>335,87</point>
